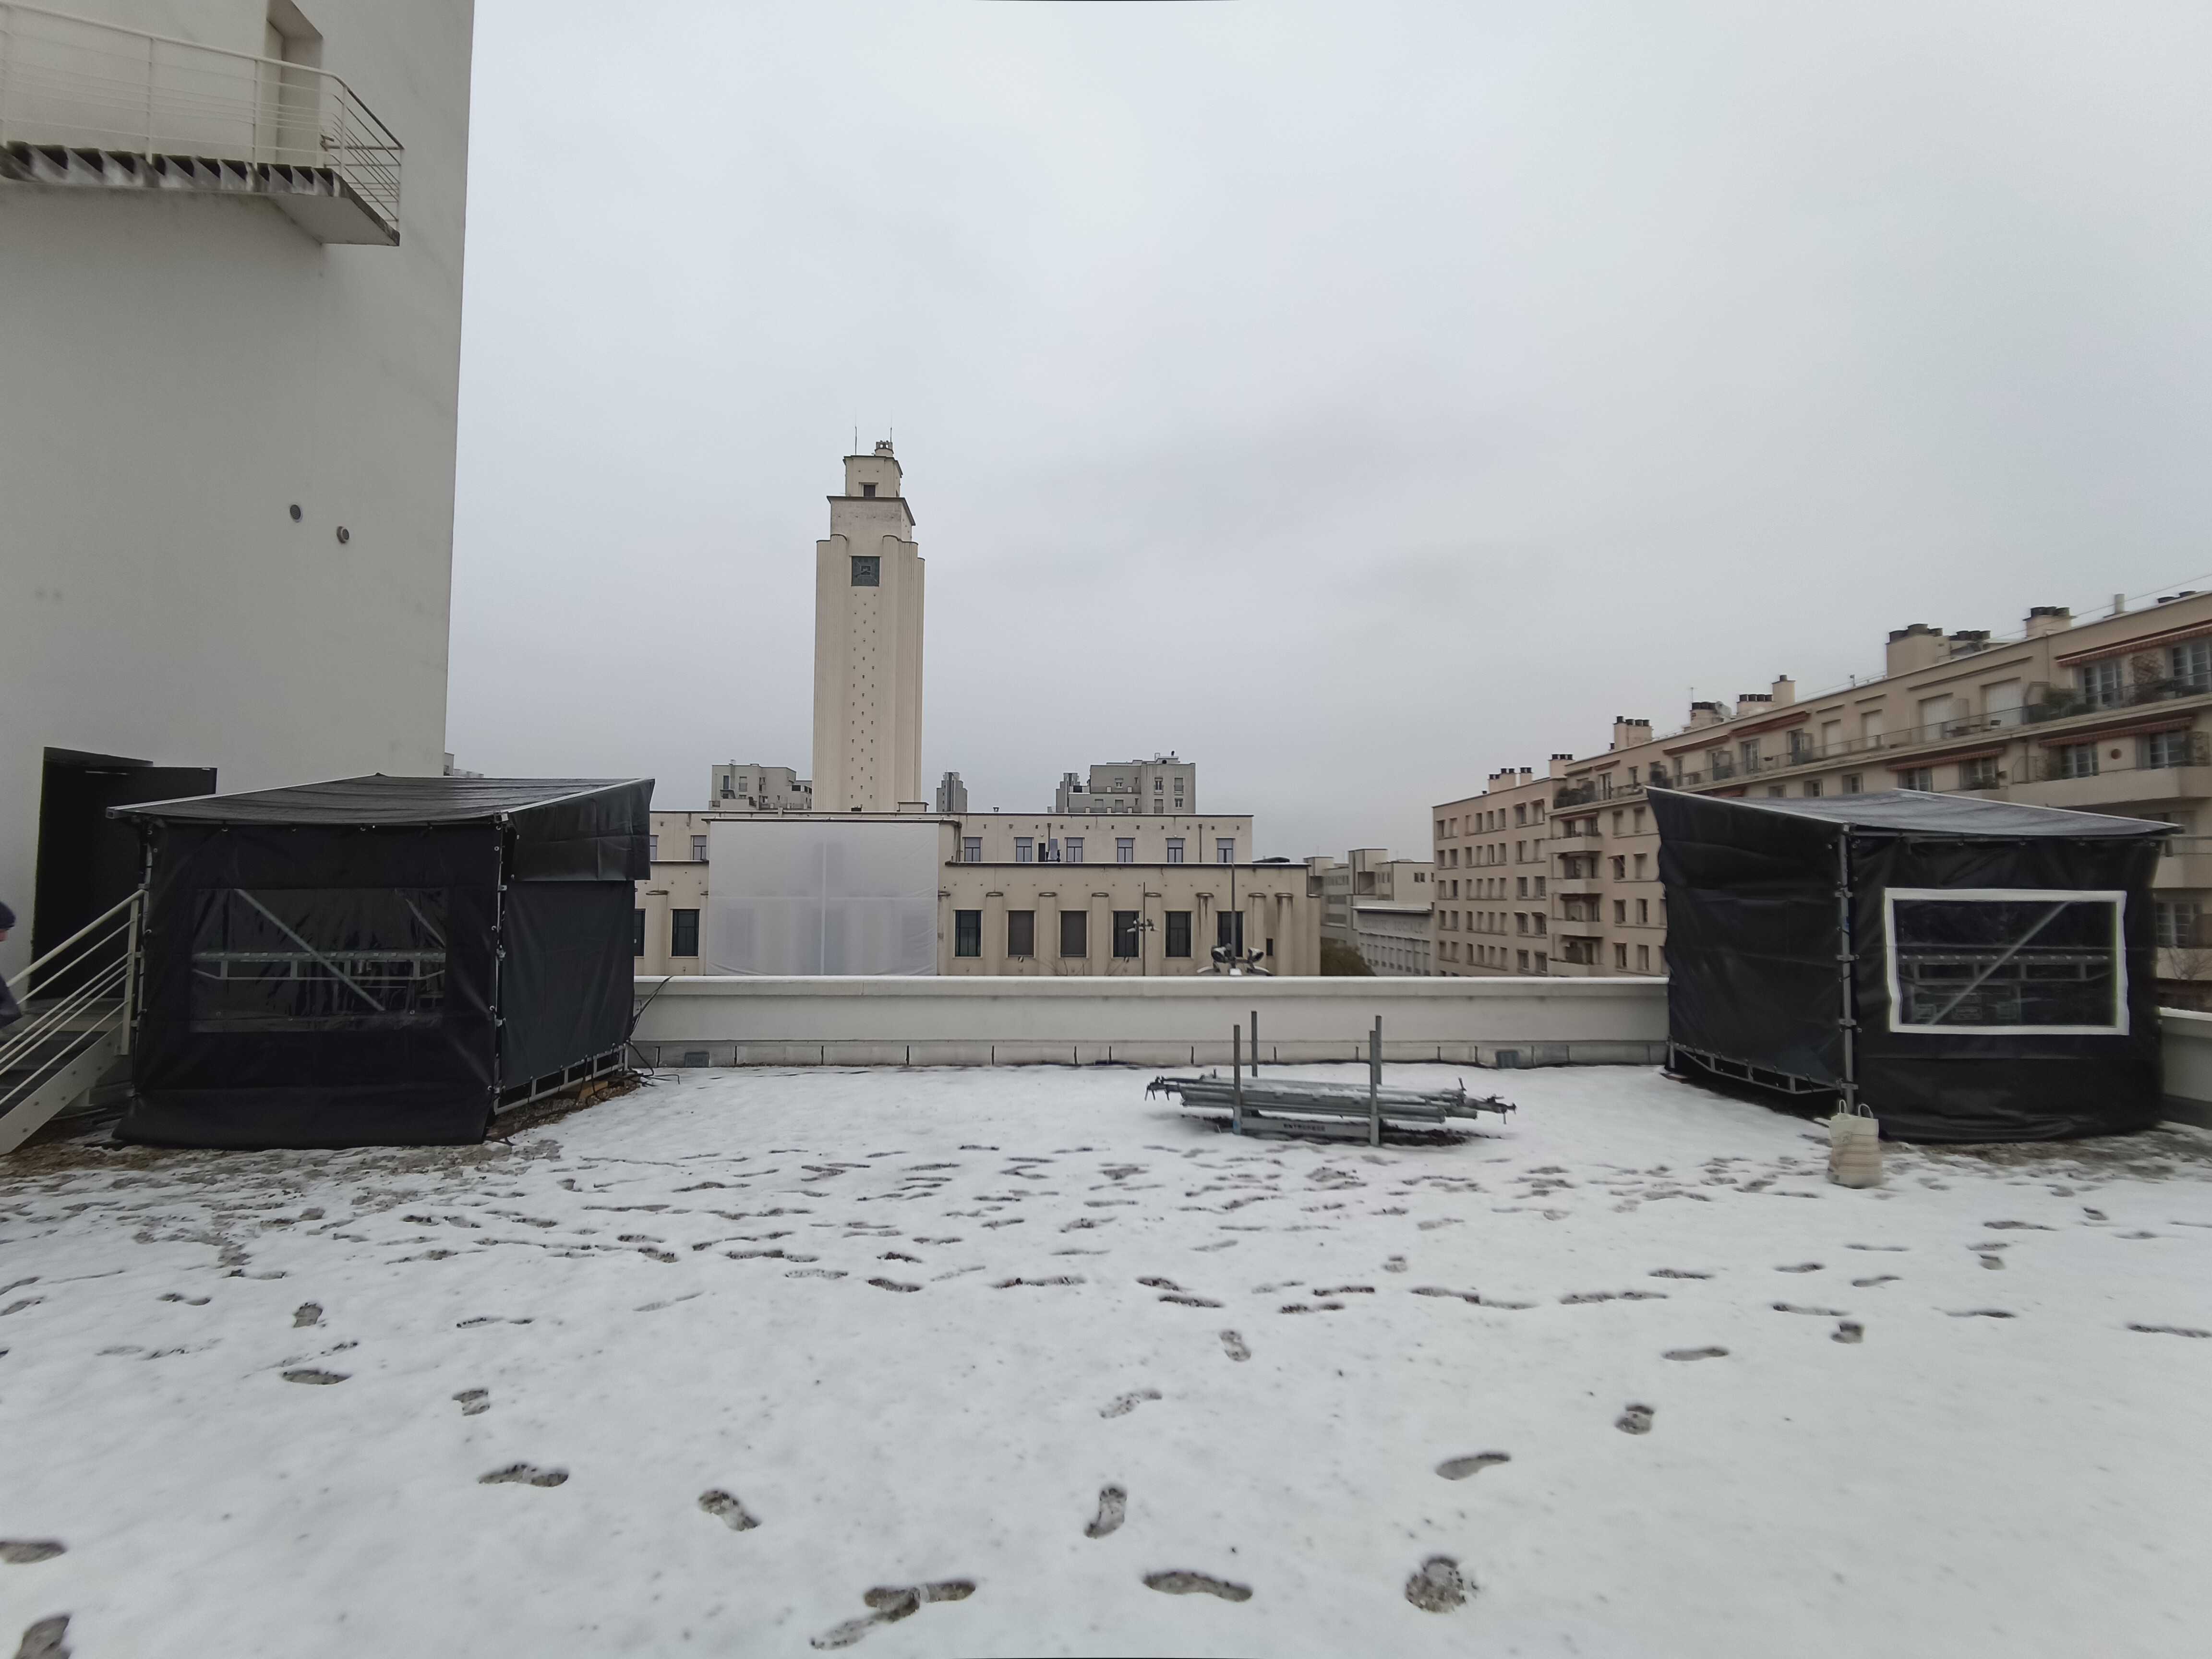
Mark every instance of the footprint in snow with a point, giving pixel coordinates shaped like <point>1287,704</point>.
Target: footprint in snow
<point>1800,1267</point>
<point>1868,1284</point>
<point>1232,1344</point>
<point>1113,1508</point>
<point>1437,1585</point>
<point>818,1272</point>
<point>1677,1272</point>
<point>890,1603</point>
<point>23,1551</point>
<point>1636,1419</point>
<point>1181,1300</point>
<point>1978,1313</point>
<point>307,1313</point>
<point>1396,1264</point>
<point>310,1374</point>
<point>1122,1405</point>
<point>1991,1261</point>
<point>474,1402</point>
<point>1460,1468</point>
<point>42,1640</point>
<point>728,1510</point>
<point>189,1300</point>
<point>1823,1313</point>
<point>1180,1583</point>
<point>1696,1353</point>
<point>1848,1330</point>
<point>528,1474</point>
<point>2152,1330</point>
<point>1039,1284</point>
<point>892,1285</point>
<point>896,1255</point>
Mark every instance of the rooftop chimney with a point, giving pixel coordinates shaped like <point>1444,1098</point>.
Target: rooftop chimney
<point>1754,702</point>
<point>1627,732</point>
<point>1706,714</point>
<point>1917,646</point>
<point>2048,619</point>
<point>1785,689</point>
<point>1558,767</point>
<point>1968,641</point>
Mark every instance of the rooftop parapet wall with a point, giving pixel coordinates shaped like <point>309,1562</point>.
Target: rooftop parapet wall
<point>761,1021</point>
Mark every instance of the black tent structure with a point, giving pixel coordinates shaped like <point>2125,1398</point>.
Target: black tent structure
<point>379,961</point>
<point>1970,970</point>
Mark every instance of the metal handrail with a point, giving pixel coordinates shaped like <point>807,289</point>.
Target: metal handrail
<point>73,82</point>
<point>23,974</point>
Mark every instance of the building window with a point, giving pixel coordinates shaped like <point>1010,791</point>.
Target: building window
<point>1619,867</point>
<point>1542,962</point>
<point>728,793</point>
<point>971,849</point>
<point>637,933</point>
<point>2190,663</point>
<point>868,490</point>
<point>967,933</point>
<point>1537,918</point>
<point>1620,911</point>
<point>1178,940</point>
<point>1224,852</point>
<point>867,571</point>
<point>2176,922</point>
<point>1776,789</point>
<point>1812,789</point>
<point>1024,849</point>
<point>1125,849</point>
<point>1075,849</point>
<point>2166,749</point>
<point>698,849</point>
<point>1643,958</point>
<point>682,932</point>
<point>1021,932</point>
<point>1174,849</point>
<point>1620,955</point>
<point>1126,934</point>
<point>1643,912</point>
<point>1075,933</point>
<point>2104,684</point>
<point>653,848</point>
<point>1917,777</point>
<point>2006,960</point>
<point>1229,929</point>
<point>1980,773</point>
<point>2074,760</point>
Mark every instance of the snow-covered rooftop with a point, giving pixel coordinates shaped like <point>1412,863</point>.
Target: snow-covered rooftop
<point>1020,1361</point>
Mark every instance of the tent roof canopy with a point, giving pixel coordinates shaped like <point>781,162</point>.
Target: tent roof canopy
<point>378,799</point>
<point>1922,813</point>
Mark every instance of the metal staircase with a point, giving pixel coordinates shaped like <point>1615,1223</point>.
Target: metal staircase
<point>76,1026</point>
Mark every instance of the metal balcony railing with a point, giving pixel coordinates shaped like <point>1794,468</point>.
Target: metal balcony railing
<point>72,87</point>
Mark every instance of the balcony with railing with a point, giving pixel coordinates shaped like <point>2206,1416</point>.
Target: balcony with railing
<point>90,105</point>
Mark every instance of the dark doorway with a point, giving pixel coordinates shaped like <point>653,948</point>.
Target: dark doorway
<point>87,862</point>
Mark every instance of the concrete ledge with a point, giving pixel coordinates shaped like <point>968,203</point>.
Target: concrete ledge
<point>744,1021</point>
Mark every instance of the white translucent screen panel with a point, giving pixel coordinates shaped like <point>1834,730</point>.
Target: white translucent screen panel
<point>1997,961</point>
<point>817,897</point>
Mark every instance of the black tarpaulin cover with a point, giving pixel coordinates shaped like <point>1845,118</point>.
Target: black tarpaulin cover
<point>374,961</point>
<point>2003,974</point>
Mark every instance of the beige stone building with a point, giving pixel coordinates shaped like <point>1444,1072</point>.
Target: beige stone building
<point>1162,784</point>
<point>2112,715</point>
<point>1153,898</point>
<point>867,644</point>
<point>1394,939</point>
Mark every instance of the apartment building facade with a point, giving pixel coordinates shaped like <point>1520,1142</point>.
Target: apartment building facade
<point>1369,878</point>
<point>1153,898</point>
<point>1160,785</point>
<point>735,786</point>
<point>2112,715</point>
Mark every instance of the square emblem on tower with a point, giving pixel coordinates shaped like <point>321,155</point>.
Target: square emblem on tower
<point>867,571</point>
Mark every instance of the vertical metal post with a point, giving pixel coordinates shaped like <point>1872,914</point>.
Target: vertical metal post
<point>1255,1045</point>
<point>1847,963</point>
<point>1375,1084</point>
<point>150,76</point>
<point>133,930</point>
<point>1236,1071</point>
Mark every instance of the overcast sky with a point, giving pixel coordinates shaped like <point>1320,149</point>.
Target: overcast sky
<point>1352,398</point>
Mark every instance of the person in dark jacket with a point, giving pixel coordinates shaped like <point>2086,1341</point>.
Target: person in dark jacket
<point>9,1011</point>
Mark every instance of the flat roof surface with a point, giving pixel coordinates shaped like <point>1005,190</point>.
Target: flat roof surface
<point>705,1365</point>
<point>1925,813</point>
<point>377,799</point>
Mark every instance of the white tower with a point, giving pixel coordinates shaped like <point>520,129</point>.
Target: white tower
<point>867,644</point>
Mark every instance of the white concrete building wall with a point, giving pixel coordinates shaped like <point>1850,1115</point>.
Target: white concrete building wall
<point>179,371</point>
<point>1146,1022</point>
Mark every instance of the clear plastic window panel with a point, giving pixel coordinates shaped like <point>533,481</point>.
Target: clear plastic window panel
<point>2023,962</point>
<point>319,958</point>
